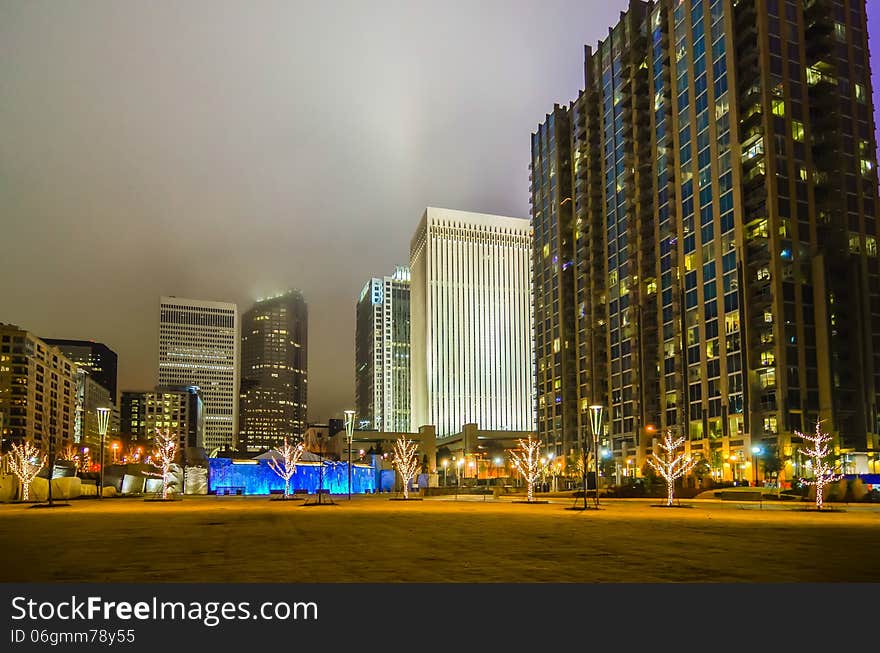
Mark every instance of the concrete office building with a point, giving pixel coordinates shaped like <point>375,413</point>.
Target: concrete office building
<point>179,410</point>
<point>199,346</point>
<point>471,322</point>
<point>37,392</point>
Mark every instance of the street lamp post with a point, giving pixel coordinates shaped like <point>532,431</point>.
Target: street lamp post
<point>756,451</point>
<point>349,432</point>
<point>596,425</point>
<point>103,422</point>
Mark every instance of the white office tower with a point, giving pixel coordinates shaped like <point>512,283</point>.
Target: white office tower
<point>382,381</point>
<point>199,346</point>
<point>471,323</point>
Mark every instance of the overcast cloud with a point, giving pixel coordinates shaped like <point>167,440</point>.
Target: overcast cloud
<point>225,150</point>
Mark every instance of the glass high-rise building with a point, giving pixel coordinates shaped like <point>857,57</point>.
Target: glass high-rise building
<point>720,170</point>
<point>95,357</point>
<point>274,371</point>
<point>471,322</point>
<point>199,346</point>
<point>382,356</point>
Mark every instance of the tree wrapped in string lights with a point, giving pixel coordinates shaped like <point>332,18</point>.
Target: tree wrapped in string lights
<point>25,462</point>
<point>528,461</point>
<point>671,465</point>
<point>164,453</point>
<point>823,471</point>
<point>406,460</point>
<point>285,465</point>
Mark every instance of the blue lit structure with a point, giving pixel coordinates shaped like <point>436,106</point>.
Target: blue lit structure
<point>256,477</point>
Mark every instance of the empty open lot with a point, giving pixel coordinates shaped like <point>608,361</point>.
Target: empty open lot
<point>372,539</point>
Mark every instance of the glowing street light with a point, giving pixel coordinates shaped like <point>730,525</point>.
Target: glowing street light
<point>756,452</point>
<point>349,432</point>
<point>103,422</point>
<point>596,415</point>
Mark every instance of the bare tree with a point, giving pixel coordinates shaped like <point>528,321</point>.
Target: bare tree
<point>528,461</point>
<point>26,462</point>
<point>671,466</point>
<point>406,460</point>
<point>823,471</point>
<point>164,453</point>
<point>285,466</point>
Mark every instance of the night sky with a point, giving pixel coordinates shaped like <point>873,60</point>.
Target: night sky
<point>227,150</point>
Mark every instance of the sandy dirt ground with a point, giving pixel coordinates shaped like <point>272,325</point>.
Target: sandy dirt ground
<point>372,539</point>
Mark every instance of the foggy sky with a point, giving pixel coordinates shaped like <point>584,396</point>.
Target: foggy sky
<point>226,150</point>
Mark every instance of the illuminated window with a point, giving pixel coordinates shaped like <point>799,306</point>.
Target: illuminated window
<point>767,358</point>
<point>840,32</point>
<point>555,345</point>
<point>797,130</point>
<point>770,425</point>
<point>815,75</point>
<point>778,107</point>
<point>756,149</point>
<point>860,93</point>
<point>757,229</point>
<point>871,246</point>
<point>763,274</point>
<point>768,317</point>
<point>731,322</point>
<point>767,378</point>
<point>546,251</point>
<point>855,245</point>
<point>867,166</point>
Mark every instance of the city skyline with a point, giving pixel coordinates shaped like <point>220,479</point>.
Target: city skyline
<point>148,128</point>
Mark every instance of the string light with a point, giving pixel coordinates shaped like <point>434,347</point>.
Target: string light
<point>528,461</point>
<point>671,466</point>
<point>25,462</point>
<point>406,460</point>
<point>285,467</point>
<point>823,472</point>
<point>164,453</point>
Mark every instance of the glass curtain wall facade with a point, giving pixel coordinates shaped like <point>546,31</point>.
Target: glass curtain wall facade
<point>382,344</point>
<point>274,371</point>
<point>724,185</point>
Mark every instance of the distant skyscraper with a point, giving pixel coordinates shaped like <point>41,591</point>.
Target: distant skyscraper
<point>37,392</point>
<point>97,358</point>
<point>471,322</point>
<point>705,220</point>
<point>179,410</point>
<point>199,346</point>
<point>382,367</point>
<point>274,366</point>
